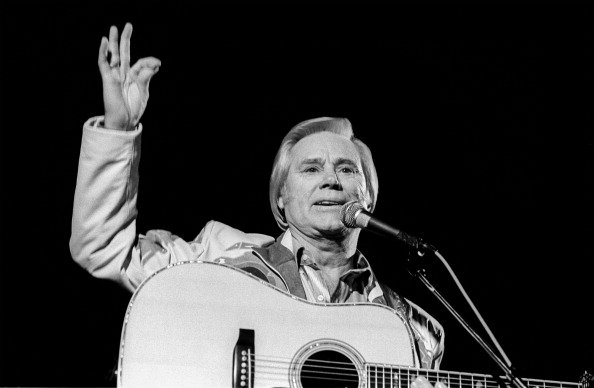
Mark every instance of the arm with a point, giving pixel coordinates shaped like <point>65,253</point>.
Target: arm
<point>104,214</point>
<point>104,238</point>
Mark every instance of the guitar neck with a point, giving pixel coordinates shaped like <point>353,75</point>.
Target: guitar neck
<point>381,375</point>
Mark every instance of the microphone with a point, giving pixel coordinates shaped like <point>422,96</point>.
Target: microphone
<point>353,215</point>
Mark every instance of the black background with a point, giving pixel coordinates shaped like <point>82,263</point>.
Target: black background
<point>479,119</point>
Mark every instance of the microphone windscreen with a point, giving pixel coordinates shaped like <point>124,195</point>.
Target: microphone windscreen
<point>348,214</point>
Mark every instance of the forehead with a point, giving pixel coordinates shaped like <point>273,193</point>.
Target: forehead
<point>324,145</point>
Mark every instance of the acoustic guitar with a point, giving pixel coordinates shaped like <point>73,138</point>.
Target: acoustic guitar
<point>200,324</point>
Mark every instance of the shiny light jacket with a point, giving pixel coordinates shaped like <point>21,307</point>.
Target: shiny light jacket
<point>105,242</point>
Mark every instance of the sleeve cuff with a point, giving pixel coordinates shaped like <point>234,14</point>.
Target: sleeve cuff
<point>96,124</point>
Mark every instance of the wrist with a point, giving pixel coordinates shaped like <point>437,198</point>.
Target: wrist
<point>118,125</point>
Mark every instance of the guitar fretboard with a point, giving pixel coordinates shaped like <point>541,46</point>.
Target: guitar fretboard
<point>386,376</point>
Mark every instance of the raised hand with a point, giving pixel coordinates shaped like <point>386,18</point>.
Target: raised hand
<point>125,89</point>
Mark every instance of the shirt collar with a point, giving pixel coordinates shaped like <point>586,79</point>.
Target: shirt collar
<point>287,240</point>
<point>362,271</point>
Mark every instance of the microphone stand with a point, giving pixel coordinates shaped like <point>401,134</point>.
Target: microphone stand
<point>417,271</point>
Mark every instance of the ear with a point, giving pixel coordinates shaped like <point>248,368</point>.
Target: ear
<point>280,201</point>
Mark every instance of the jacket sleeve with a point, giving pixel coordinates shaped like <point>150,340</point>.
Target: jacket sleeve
<point>429,335</point>
<point>104,240</point>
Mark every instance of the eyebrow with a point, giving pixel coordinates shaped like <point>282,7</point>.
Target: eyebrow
<point>312,161</point>
<point>321,161</point>
<point>346,161</point>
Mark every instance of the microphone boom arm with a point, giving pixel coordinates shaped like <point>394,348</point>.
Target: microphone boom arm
<point>506,367</point>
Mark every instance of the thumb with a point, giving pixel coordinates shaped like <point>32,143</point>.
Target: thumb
<point>145,76</point>
<point>144,69</point>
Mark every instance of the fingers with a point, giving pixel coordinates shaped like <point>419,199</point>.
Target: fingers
<point>125,49</point>
<point>120,54</point>
<point>439,384</point>
<point>102,60</point>
<point>113,46</point>
<point>421,382</point>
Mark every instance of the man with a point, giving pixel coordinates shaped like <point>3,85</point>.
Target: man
<point>319,167</point>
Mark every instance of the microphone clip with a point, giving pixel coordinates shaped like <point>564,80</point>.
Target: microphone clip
<point>417,258</point>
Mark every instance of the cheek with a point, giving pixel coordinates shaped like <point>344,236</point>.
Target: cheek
<point>300,188</point>
<point>293,193</point>
<point>361,191</point>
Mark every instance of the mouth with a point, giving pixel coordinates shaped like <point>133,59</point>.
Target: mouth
<point>328,203</point>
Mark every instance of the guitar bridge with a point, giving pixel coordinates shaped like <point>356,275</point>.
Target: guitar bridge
<point>243,359</point>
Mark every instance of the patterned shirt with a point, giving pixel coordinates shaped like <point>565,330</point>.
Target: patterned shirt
<point>358,284</point>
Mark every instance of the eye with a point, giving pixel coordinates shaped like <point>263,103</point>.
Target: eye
<point>310,169</point>
<point>347,170</point>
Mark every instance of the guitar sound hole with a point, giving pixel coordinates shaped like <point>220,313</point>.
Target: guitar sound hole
<point>328,368</point>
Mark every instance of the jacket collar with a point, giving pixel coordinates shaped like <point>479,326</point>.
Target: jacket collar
<point>283,261</point>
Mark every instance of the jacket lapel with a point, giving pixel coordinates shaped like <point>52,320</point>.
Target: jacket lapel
<point>283,261</point>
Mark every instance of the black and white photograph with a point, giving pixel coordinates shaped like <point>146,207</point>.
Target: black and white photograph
<point>334,194</point>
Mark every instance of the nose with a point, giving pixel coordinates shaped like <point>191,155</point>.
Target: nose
<point>331,181</point>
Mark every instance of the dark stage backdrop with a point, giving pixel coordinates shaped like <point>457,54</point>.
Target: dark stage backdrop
<point>479,120</point>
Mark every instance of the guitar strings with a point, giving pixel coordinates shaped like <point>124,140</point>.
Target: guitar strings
<point>380,377</point>
<point>462,376</point>
<point>317,372</point>
<point>371,373</point>
<point>385,371</point>
<point>349,365</point>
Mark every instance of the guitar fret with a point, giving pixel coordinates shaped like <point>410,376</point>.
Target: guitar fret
<point>391,378</point>
<point>459,382</point>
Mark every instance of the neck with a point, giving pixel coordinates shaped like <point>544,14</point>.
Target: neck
<point>328,253</point>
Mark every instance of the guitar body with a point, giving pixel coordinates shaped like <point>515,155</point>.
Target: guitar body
<point>183,325</point>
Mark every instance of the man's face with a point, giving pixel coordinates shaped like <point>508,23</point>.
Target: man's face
<point>325,173</point>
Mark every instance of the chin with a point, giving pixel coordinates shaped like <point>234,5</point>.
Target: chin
<point>335,229</point>
<point>335,234</point>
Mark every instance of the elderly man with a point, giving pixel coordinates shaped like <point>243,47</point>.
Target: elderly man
<point>319,166</point>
